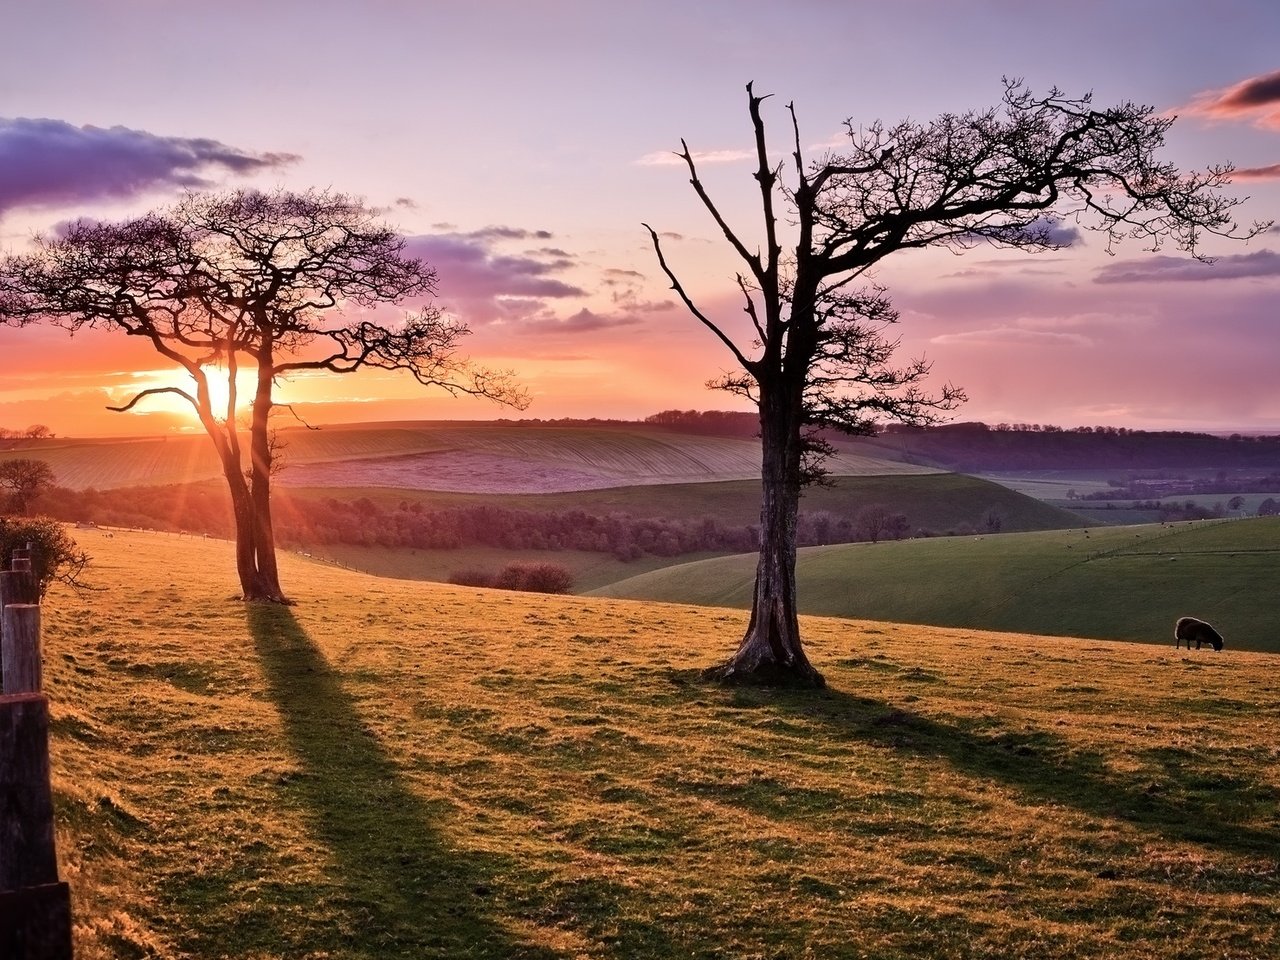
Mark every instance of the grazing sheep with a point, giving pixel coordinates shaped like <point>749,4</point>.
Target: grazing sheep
<point>1189,628</point>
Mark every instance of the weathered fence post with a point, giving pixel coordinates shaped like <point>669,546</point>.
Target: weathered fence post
<point>35,908</point>
<point>20,648</point>
<point>15,587</point>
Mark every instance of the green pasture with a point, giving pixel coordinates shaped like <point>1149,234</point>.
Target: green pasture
<point>1118,583</point>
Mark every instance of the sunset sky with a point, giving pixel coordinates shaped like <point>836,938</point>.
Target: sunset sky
<point>519,146</point>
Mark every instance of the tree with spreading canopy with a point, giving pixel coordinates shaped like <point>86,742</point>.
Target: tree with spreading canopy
<point>266,282</point>
<point>820,355</point>
<point>24,480</point>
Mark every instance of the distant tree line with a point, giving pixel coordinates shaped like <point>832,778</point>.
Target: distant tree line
<point>305,523</point>
<point>37,431</point>
<point>978,448</point>
<point>717,423</point>
<point>1155,487</point>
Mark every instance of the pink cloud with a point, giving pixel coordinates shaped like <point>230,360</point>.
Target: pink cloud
<point>1258,173</point>
<point>1256,99</point>
<point>51,163</point>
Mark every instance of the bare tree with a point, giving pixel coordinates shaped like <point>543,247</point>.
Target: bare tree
<point>264,282</point>
<point>1005,176</point>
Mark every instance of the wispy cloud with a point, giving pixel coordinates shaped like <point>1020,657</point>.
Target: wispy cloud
<point>1258,173</point>
<point>1256,99</point>
<point>1014,335</point>
<point>1262,263</point>
<point>666,158</point>
<point>51,163</point>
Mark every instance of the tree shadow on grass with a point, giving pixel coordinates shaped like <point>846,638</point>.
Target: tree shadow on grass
<point>396,889</point>
<point>1185,804</point>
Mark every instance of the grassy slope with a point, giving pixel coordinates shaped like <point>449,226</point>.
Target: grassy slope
<point>393,770</point>
<point>1126,583</point>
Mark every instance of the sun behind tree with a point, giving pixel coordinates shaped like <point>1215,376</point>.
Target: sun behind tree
<point>259,283</point>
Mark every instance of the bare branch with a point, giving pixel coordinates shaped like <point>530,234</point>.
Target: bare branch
<point>153,391</point>
<point>692,307</point>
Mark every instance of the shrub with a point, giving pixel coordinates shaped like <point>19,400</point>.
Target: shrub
<point>57,556</point>
<point>535,578</point>
<point>472,578</point>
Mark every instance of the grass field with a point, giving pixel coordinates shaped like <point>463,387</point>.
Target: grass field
<point>487,457</point>
<point>396,770</point>
<point>1119,583</point>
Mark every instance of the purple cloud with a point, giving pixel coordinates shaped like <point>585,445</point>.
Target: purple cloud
<point>484,285</point>
<point>1263,263</point>
<point>51,163</point>
<point>508,233</point>
<point>584,321</point>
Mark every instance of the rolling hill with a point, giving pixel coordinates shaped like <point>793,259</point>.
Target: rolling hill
<point>396,770</point>
<point>481,457</point>
<point>1118,583</point>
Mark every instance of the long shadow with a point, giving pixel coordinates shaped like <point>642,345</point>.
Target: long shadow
<point>398,890</point>
<point>1044,766</point>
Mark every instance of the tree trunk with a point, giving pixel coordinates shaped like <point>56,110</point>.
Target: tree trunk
<point>252,586</point>
<point>264,539</point>
<point>771,652</point>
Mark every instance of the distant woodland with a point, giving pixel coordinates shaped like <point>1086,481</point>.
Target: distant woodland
<point>983,448</point>
<point>303,523</point>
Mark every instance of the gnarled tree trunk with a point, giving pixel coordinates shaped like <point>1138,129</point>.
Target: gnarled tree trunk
<point>264,541</point>
<point>771,652</point>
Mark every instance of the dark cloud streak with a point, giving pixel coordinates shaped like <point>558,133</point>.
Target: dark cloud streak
<point>1262,263</point>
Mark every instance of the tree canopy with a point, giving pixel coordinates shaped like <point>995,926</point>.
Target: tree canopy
<point>275,283</point>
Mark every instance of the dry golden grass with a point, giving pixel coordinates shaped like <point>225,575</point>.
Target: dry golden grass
<point>395,769</point>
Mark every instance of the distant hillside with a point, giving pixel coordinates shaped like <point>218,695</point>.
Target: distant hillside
<point>1115,583</point>
<point>977,448</point>
<point>480,457</point>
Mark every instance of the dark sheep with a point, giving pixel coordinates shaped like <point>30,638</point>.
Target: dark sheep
<point>1189,628</point>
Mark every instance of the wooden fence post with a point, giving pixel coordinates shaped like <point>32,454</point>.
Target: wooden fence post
<point>18,586</point>
<point>15,587</point>
<point>35,909</point>
<point>20,648</point>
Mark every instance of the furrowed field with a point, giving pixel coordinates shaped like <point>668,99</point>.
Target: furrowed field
<point>393,769</point>
<point>487,457</point>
